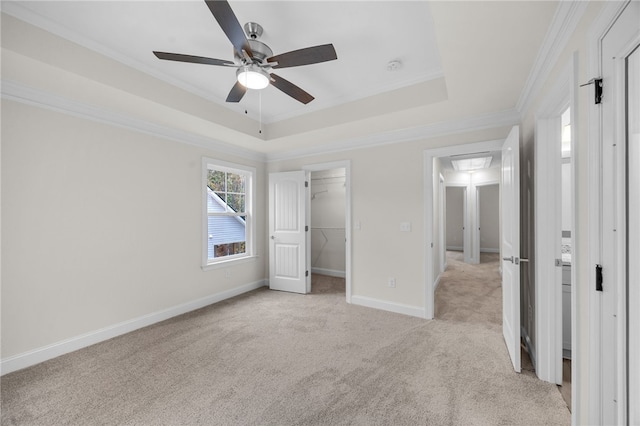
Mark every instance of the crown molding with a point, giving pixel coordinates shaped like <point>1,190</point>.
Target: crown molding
<point>28,95</point>
<point>456,126</point>
<point>565,21</point>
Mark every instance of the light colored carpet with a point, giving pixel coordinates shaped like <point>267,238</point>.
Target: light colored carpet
<point>470,293</point>
<point>272,358</point>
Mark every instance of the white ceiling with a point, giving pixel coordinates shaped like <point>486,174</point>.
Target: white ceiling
<point>461,62</point>
<point>366,36</point>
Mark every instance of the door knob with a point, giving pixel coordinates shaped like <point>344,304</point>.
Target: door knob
<point>273,237</point>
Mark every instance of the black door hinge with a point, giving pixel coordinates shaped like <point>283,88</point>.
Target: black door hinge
<point>598,277</point>
<point>306,228</point>
<point>306,273</point>
<point>597,82</point>
<point>306,184</point>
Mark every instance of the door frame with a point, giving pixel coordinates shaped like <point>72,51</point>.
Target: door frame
<point>548,227</point>
<point>430,242</point>
<point>346,165</point>
<point>442,235</point>
<point>603,23</point>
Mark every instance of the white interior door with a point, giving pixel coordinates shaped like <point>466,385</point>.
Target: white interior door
<point>510,245</point>
<point>288,231</point>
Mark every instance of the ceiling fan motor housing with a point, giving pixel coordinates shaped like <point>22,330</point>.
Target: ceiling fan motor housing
<point>260,51</point>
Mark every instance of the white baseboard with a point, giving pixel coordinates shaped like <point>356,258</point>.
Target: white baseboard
<point>436,283</point>
<point>36,356</point>
<point>398,308</point>
<point>455,248</point>
<point>489,250</point>
<point>328,272</point>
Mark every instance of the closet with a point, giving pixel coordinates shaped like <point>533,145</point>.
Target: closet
<point>328,195</point>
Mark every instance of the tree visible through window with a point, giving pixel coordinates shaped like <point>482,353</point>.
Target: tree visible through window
<point>228,199</point>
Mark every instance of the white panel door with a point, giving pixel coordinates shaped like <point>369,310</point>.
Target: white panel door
<point>287,231</point>
<point>510,245</point>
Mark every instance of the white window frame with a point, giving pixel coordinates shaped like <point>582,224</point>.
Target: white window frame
<point>250,229</point>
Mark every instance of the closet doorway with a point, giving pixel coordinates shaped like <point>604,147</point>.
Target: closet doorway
<point>328,241</point>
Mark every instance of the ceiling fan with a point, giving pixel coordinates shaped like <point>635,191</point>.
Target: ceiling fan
<point>254,60</point>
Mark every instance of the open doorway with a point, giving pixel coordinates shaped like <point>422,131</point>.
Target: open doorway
<point>327,230</point>
<point>469,289</point>
<point>567,244</point>
<point>329,219</point>
<point>551,298</point>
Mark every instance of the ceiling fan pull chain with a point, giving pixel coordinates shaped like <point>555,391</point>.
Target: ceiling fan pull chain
<point>260,109</point>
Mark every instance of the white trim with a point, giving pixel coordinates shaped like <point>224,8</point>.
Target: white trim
<point>36,356</point>
<point>229,262</point>
<point>35,97</point>
<point>346,165</point>
<point>506,118</point>
<point>565,21</point>
<point>436,283</point>
<point>398,308</point>
<point>428,177</point>
<point>455,248</point>
<point>548,226</point>
<point>601,25</point>
<point>328,272</point>
<point>18,92</point>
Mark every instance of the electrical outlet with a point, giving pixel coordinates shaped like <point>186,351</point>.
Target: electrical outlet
<point>392,282</point>
<point>405,226</point>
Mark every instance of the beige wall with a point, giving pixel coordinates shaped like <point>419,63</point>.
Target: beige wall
<point>387,187</point>
<point>489,204</point>
<point>455,217</point>
<point>100,225</point>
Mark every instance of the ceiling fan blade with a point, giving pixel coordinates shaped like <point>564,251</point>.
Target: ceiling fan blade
<point>236,93</point>
<point>306,56</point>
<point>291,89</point>
<point>230,25</point>
<point>193,59</point>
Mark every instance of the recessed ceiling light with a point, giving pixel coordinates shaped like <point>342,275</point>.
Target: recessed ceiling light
<point>471,164</point>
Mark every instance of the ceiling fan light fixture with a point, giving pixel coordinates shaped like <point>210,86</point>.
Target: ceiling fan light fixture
<point>253,77</point>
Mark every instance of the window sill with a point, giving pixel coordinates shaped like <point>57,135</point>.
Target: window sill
<point>227,263</point>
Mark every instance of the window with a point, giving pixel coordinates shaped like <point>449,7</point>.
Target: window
<point>228,216</point>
